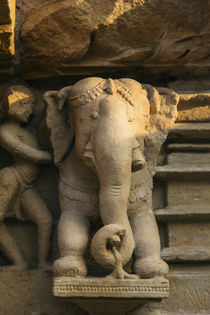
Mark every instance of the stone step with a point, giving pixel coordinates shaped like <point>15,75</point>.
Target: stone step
<point>183,214</point>
<point>188,147</point>
<point>185,131</point>
<point>168,172</point>
<point>192,99</point>
<point>186,254</point>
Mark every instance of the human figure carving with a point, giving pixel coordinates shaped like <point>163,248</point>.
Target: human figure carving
<point>106,170</point>
<point>18,196</point>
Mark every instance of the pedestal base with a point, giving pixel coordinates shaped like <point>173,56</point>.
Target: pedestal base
<point>110,296</point>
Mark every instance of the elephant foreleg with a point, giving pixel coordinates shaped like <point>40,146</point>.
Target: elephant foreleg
<point>147,263</point>
<point>73,232</point>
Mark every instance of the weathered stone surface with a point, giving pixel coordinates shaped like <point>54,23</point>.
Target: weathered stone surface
<point>87,37</point>
<point>189,131</point>
<point>5,17</point>
<point>69,287</point>
<point>185,171</point>
<point>189,85</point>
<point>26,6</point>
<point>194,114</point>
<point>189,147</point>
<point>110,296</point>
<point>186,157</point>
<point>189,294</point>
<point>195,195</point>
<point>180,173</point>
<point>30,293</point>
<point>7,23</point>
<point>183,214</point>
<point>194,106</point>
<point>186,254</point>
<point>178,234</point>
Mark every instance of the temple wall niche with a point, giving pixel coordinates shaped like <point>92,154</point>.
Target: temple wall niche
<point>47,45</point>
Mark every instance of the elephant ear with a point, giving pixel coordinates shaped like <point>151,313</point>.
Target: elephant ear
<point>61,134</point>
<point>163,114</point>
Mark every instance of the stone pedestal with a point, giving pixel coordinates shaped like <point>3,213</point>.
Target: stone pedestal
<point>110,296</point>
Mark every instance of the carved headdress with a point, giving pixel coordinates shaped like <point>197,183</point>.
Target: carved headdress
<point>88,89</point>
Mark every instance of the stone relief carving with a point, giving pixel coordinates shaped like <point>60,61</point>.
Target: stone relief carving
<point>18,196</point>
<point>106,136</point>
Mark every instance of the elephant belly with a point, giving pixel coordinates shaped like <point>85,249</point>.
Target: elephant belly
<point>78,200</point>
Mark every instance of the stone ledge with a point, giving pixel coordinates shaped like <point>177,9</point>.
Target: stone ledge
<point>188,147</point>
<point>186,131</point>
<point>183,214</point>
<point>168,172</point>
<point>157,288</point>
<point>156,46</point>
<point>186,254</point>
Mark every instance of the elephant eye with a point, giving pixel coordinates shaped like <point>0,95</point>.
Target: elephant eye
<point>94,115</point>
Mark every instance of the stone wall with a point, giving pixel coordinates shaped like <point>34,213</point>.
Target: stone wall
<point>46,45</point>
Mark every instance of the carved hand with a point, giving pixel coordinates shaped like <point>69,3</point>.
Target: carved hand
<point>45,157</point>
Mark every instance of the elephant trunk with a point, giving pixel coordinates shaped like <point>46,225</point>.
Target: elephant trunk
<point>113,160</point>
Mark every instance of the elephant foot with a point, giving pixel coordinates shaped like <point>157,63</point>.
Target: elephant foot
<point>150,267</point>
<point>70,266</point>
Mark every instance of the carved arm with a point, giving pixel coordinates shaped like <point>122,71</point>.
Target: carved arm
<point>10,142</point>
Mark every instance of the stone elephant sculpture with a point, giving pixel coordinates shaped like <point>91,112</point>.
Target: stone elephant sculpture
<point>98,130</point>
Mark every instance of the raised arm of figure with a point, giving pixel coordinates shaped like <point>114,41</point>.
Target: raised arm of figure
<point>10,142</point>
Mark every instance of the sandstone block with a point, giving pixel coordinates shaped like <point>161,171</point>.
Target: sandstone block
<point>7,24</point>
<point>189,294</point>
<point>29,293</point>
<point>189,234</point>
<point>86,37</point>
<point>191,194</point>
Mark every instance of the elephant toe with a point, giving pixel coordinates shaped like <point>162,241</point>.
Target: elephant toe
<point>150,267</point>
<point>70,266</point>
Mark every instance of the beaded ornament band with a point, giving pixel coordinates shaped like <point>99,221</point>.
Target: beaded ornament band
<point>111,86</point>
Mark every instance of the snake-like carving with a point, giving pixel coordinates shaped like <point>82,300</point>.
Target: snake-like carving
<point>110,249</point>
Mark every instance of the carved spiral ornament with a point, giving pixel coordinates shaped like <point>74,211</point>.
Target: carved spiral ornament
<point>109,236</point>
